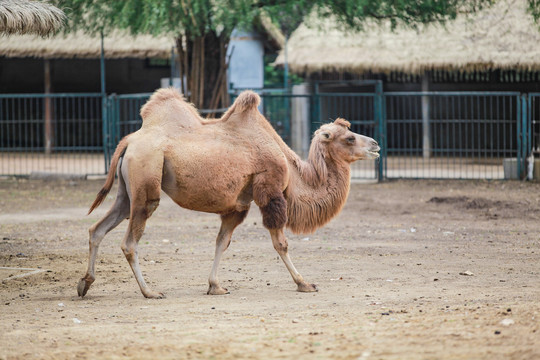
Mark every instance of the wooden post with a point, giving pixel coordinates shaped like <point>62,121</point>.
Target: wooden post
<point>48,108</point>
<point>286,66</point>
<point>426,138</point>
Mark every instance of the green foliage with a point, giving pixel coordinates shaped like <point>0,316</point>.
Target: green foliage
<point>188,17</point>
<point>198,17</point>
<point>534,9</point>
<point>273,76</point>
<point>353,13</point>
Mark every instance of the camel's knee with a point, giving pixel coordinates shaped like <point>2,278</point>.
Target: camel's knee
<point>281,247</point>
<point>275,213</point>
<point>91,233</point>
<point>129,251</point>
<point>150,207</point>
<point>94,237</point>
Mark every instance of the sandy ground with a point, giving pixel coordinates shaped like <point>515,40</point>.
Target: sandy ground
<point>409,270</point>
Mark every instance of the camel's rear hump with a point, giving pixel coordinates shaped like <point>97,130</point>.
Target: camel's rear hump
<point>247,100</point>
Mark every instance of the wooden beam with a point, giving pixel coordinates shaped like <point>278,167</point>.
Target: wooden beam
<point>48,108</point>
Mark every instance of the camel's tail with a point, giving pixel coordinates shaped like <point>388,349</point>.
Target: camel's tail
<point>122,145</point>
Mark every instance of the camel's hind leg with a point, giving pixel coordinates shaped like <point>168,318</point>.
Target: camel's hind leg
<point>144,187</point>
<point>118,212</point>
<point>228,223</point>
<point>280,244</point>
<point>137,222</point>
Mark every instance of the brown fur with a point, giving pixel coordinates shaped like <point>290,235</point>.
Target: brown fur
<point>247,100</point>
<point>275,213</point>
<point>221,166</point>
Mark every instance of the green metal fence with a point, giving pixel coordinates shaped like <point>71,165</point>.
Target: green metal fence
<point>124,118</point>
<point>463,135</point>
<point>364,112</point>
<point>54,133</point>
<point>458,135</point>
<point>533,113</point>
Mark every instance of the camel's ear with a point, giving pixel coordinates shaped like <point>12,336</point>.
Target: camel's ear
<point>325,136</point>
<point>342,122</point>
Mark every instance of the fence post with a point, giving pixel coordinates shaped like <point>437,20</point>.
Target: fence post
<point>315,109</point>
<point>49,131</point>
<point>105,129</point>
<point>300,124</point>
<point>525,137</point>
<point>426,138</point>
<point>379,117</point>
<point>519,158</point>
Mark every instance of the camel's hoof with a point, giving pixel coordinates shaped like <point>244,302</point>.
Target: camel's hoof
<point>154,295</point>
<point>83,286</point>
<point>307,288</point>
<point>217,290</point>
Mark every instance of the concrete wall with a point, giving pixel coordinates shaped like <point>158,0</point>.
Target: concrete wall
<point>300,120</point>
<point>246,64</point>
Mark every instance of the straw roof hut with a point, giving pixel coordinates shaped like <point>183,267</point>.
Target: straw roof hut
<point>79,45</point>
<point>60,56</point>
<point>503,36</point>
<point>29,17</point>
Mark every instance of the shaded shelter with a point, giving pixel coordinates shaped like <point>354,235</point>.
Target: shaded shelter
<point>501,37</point>
<point>134,63</point>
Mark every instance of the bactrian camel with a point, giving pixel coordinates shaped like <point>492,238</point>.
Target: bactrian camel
<point>220,166</point>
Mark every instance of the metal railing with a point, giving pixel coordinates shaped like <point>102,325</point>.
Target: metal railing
<point>459,135</point>
<point>56,133</point>
<point>124,118</point>
<point>534,121</point>
<point>365,114</point>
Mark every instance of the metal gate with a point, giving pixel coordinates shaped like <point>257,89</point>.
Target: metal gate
<point>123,118</point>
<point>435,135</point>
<point>458,135</point>
<point>455,135</point>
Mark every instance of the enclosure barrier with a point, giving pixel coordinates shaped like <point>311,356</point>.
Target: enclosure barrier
<point>449,135</point>
<point>458,135</point>
<point>51,133</point>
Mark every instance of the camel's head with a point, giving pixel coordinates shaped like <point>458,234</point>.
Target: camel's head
<point>342,143</point>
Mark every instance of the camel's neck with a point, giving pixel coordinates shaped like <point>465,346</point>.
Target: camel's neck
<point>316,194</point>
<point>318,187</point>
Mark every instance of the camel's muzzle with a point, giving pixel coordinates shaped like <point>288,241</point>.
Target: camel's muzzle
<point>373,152</point>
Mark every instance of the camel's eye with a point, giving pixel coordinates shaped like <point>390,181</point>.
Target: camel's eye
<point>351,140</point>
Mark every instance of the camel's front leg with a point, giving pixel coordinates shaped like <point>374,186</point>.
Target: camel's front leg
<point>228,223</point>
<point>280,244</point>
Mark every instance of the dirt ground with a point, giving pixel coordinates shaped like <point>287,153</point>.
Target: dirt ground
<point>409,270</point>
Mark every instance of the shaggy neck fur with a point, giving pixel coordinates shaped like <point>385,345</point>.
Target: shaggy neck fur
<point>318,187</point>
<point>319,191</point>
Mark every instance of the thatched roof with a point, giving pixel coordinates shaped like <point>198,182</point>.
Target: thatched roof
<point>79,45</point>
<point>503,36</point>
<point>29,17</point>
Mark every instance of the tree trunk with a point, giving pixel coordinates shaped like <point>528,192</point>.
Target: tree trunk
<point>203,63</point>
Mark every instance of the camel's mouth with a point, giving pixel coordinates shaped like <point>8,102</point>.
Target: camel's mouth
<point>373,155</point>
